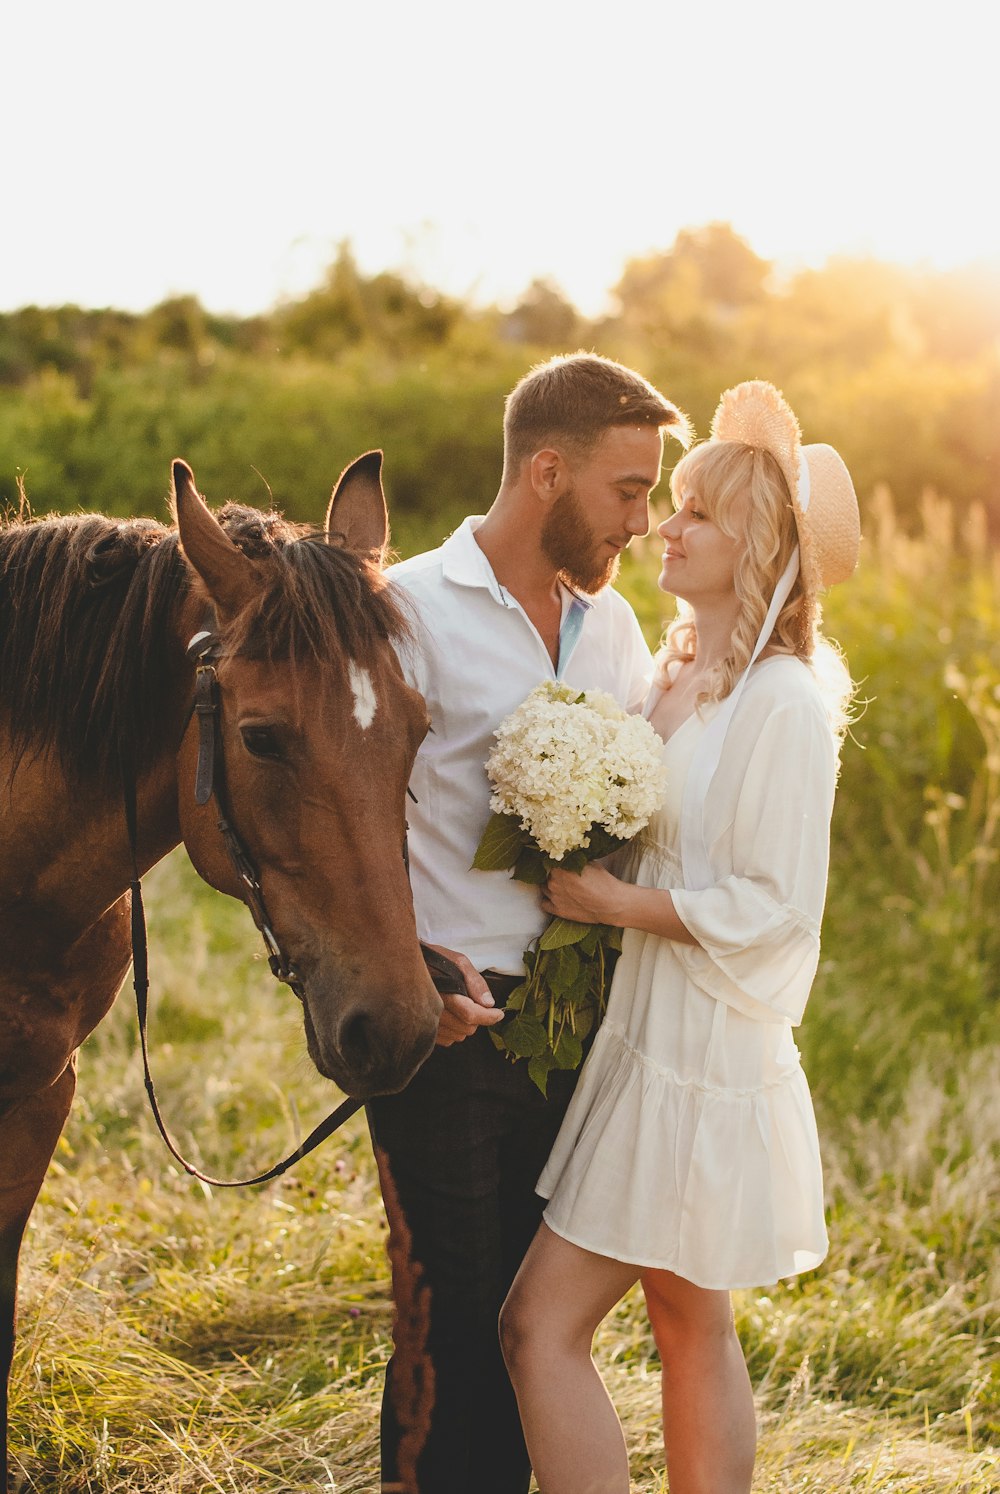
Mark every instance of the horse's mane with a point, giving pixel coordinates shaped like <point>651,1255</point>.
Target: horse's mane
<point>90,663</point>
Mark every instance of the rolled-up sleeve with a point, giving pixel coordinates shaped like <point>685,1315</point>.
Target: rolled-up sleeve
<point>758,926</point>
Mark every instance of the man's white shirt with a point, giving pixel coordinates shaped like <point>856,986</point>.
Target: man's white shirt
<point>474,657</point>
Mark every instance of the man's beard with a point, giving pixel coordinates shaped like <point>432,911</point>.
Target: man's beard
<point>570,544</point>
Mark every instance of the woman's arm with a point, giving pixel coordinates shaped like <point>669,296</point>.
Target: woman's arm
<point>595,896</point>
<point>757,927</point>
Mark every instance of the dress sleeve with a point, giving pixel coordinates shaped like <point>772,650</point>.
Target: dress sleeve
<point>758,926</point>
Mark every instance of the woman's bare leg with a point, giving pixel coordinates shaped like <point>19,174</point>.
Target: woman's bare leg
<point>709,1427</point>
<point>547,1326</point>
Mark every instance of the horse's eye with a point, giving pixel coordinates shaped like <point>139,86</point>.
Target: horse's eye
<point>261,741</point>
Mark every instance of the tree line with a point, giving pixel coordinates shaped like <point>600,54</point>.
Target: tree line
<point>898,368</point>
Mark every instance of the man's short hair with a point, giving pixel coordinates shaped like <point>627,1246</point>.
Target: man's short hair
<point>571,400</point>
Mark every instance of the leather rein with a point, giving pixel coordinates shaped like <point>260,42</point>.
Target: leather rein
<point>210,784</point>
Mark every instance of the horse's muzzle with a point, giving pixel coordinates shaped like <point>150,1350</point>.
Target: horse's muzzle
<point>369,1052</point>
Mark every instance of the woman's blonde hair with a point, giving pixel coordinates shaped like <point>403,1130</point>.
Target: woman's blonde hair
<point>743,491</point>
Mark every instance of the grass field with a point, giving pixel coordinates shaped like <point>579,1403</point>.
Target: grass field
<point>179,1339</point>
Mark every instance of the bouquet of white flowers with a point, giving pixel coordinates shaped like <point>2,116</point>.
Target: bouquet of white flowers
<point>574,778</point>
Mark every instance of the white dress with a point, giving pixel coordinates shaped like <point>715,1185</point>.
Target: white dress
<point>690,1143</point>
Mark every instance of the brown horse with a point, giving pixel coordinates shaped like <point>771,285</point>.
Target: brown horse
<point>316,738</point>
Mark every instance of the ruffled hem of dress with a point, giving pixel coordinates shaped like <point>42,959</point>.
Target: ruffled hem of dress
<point>695,1278</point>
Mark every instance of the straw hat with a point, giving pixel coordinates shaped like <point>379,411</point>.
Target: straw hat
<point>823,499</point>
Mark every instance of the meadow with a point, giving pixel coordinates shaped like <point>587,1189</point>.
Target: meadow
<point>176,1338</point>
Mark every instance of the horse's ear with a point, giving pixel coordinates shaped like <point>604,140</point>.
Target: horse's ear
<point>357,509</point>
<point>229,577</point>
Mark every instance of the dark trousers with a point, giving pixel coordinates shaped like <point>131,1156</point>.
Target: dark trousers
<point>466,1141</point>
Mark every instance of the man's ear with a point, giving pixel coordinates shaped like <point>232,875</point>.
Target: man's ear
<point>549,474</point>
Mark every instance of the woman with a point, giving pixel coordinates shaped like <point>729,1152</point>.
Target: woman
<point>689,1159</point>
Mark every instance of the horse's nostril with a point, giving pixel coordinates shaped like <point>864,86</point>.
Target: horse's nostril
<point>356,1040</point>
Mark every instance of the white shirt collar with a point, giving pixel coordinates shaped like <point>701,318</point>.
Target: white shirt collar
<point>465,563</point>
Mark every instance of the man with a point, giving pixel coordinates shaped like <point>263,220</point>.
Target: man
<point>507,601</point>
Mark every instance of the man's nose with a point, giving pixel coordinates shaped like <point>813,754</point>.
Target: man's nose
<point>638,522</point>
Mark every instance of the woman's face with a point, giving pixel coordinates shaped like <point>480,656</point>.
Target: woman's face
<point>699,559</point>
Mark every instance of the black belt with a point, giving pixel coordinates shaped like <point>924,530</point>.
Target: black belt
<point>501,986</point>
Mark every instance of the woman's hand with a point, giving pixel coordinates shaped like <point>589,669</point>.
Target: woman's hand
<point>590,896</point>
<point>595,896</point>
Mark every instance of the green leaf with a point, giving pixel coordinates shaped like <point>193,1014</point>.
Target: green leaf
<point>501,843</point>
<point>602,844</point>
<point>536,1003</point>
<point>563,931</point>
<point>531,866</point>
<point>562,969</point>
<point>574,861</point>
<point>589,942</point>
<point>538,1071</point>
<point>578,992</point>
<point>515,1000</point>
<point>525,1037</point>
<point>568,1050</point>
<point>583,1019</point>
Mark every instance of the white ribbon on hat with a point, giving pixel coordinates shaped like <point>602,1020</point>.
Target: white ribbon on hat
<point>695,863</point>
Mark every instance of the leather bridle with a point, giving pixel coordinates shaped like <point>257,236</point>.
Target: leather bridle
<point>210,784</point>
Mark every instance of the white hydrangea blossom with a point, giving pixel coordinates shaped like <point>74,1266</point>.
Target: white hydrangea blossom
<point>566,761</point>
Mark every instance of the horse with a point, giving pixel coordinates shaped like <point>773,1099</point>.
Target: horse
<point>101,762</point>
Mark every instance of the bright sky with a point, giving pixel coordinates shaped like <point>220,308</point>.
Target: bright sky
<point>225,147</point>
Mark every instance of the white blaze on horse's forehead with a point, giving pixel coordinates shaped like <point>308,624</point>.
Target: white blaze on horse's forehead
<point>365,703</point>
